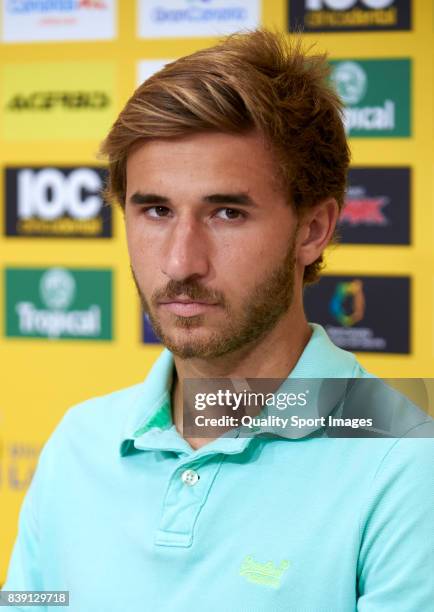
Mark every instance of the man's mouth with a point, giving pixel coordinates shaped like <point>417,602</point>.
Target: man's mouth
<point>185,307</point>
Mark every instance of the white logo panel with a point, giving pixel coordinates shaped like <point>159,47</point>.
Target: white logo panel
<point>62,20</point>
<point>147,68</point>
<point>188,18</point>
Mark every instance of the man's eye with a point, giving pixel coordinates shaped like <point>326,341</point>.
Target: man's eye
<point>157,211</point>
<point>231,213</point>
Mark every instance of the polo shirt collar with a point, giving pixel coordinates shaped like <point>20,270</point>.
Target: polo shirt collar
<point>149,425</point>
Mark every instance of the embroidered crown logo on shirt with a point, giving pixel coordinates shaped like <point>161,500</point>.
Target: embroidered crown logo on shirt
<point>263,573</point>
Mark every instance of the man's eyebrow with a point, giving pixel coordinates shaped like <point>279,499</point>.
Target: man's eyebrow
<point>230,198</point>
<point>148,198</point>
<point>241,198</point>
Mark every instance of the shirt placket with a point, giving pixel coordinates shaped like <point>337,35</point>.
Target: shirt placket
<point>189,484</point>
<point>187,490</point>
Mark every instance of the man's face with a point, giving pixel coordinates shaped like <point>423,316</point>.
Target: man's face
<point>211,239</point>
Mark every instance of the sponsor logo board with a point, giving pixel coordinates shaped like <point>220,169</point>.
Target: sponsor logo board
<point>376,94</point>
<point>147,68</point>
<point>58,303</point>
<point>362,313</point>
<point>377,207</point>
<point>148,334</point>
<point>18,462</point>
<point>56,201</point>
<point>57,101</point>
<point>57,20</point>
<point>187,18</point>
<point>349,15</point>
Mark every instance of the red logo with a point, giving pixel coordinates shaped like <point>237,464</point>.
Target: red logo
<point>364,210</point>
<point>92,4</point>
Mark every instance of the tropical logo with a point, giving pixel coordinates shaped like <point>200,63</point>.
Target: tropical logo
<point>350,81</point>
<point>58,303</point>
<point>376,94</point>
<point>57,289</point>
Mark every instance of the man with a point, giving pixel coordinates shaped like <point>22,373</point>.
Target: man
<point>230,167</point>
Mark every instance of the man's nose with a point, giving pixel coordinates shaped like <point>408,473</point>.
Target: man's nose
<point>186,251</point>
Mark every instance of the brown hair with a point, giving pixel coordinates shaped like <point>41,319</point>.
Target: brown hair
<point>259,80</point>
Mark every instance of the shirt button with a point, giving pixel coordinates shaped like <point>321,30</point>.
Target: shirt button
<point>190,477</point>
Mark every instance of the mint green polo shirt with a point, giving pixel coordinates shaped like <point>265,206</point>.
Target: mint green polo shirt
<point>125,515</point>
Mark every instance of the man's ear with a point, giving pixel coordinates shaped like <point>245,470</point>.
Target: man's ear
<point>316,227</point>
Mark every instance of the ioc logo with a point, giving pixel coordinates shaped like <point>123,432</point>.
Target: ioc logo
<point>51,193</point>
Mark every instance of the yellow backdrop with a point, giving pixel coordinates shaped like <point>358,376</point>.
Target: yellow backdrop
<point>40,379</point>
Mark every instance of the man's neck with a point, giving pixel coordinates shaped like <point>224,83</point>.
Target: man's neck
<point>273,357</point>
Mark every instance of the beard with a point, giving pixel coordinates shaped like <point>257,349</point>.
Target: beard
<point>264,306</point>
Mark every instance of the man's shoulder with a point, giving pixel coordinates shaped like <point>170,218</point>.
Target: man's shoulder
<point>111,403</point>
<point>97,420</point>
